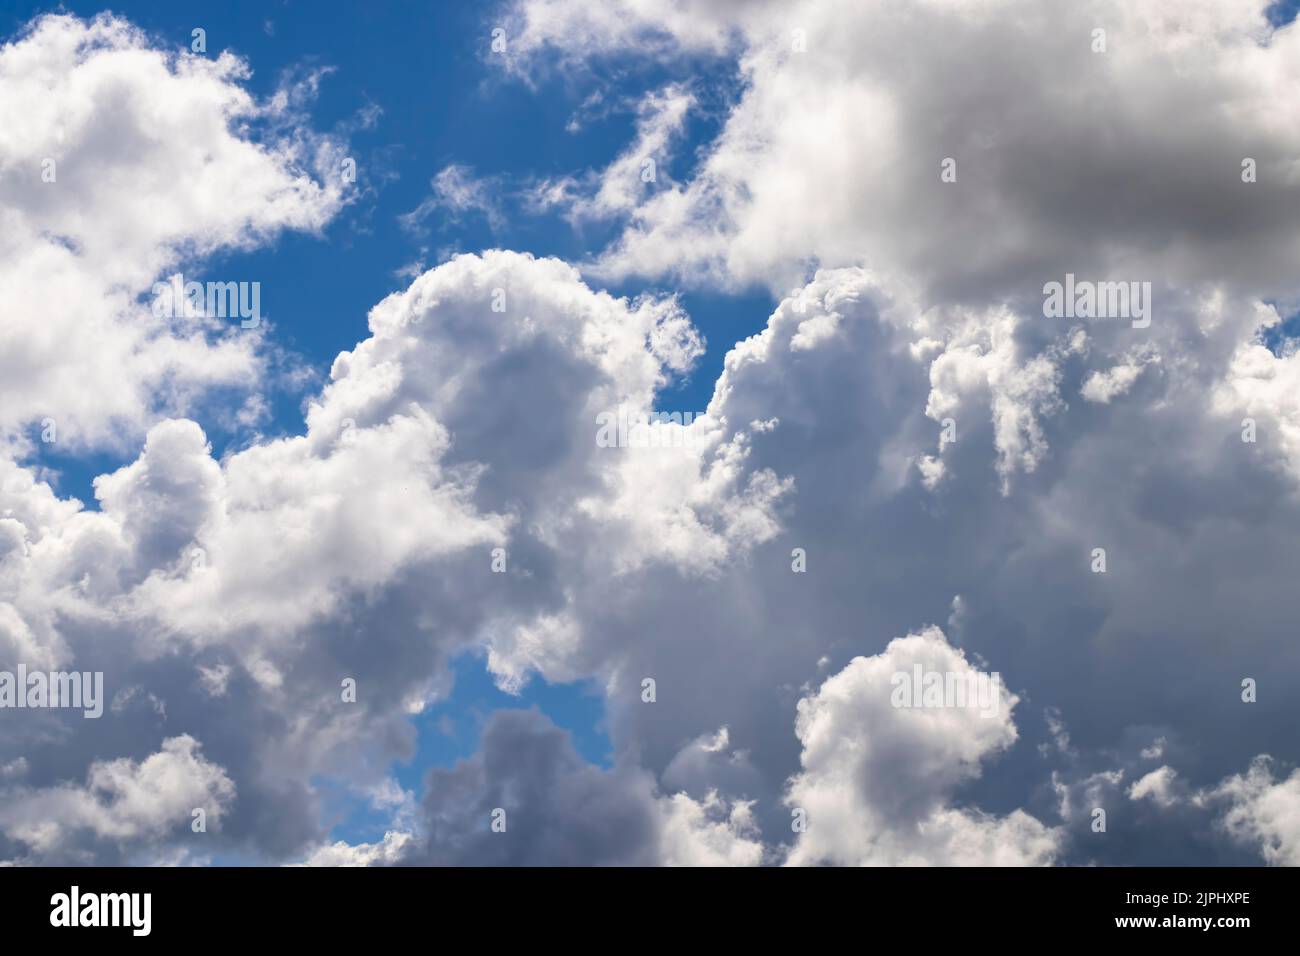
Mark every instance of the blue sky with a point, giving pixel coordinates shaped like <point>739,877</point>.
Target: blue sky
<point>424,68</point>
<point>1283,11</point>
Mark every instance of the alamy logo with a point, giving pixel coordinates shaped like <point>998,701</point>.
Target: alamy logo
<point>53,689</point>
<point>936,689</point>
<point>178,299</point>
<point>103,909</point>
<point>1098,300</point>
<point>644,430</point>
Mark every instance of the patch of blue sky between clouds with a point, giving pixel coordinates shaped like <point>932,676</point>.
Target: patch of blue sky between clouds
<point>449,730</point>
<point>1282,12</point>
<point>1284,337</point>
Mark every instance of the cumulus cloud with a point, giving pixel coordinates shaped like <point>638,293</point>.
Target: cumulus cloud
<point>248,578</point>
<point>123,802</point>
<point>877,780</point>
<point>136,161</point>
<point>266,625</point>
<point>1105,163</point>
<point>388,850</point>
<point>1264,811</point>
<point>1259,384</point>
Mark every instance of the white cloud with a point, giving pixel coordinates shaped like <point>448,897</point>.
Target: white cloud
<point>340,853</point>
<point>1157,786</point>
<point>878,780</point>
<point>983,357</point>
<point>1264,811</point>
<point>1104,385</point>
<point>456,190</point>
<point>134,161</point>
<point>708,833</point>
<point>123,800</point>
<point>594,29</point>
<point>638,172</point>
<point>1266,387</point>
<point>832,155</point>
<point>383,517</point>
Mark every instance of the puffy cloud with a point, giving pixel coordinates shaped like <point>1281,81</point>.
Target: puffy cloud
<point>1264,811</point>
<point>124,803</point>
<point>833,153</point>
<point>122,162</point>
<point>388,850</point>
<point>983,357</point>
<point>1158,786</point>
<point>709,833</point>
<point>230,594</point>
<point>877,778</point>
<point>839,371</point>
<point>671,561</point>
<point>1261,385</point>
